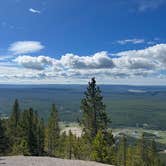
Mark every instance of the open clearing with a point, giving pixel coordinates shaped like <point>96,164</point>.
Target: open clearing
<point>159,135</point>
<point>44,161</point>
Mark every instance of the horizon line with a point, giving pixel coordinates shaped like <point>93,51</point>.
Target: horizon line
<point>42,84</point>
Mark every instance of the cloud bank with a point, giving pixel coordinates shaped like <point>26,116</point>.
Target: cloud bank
<point>144,64</point>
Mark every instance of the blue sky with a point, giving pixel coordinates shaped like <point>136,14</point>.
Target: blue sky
<point>69,41</point>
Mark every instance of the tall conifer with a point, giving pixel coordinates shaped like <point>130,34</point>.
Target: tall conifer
<point>13,124</point>
<point>3,140</point>
<point>53,131</point>
<point>94,117</point>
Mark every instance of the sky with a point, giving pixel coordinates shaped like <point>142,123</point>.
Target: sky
<point>70,41</point>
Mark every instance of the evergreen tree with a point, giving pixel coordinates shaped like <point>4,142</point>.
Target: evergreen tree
<point>81,149</point>
<point>3,139</point>
<point>15,114</point>
<point>70,144</point>
<point>141,152</point>
<point>100,148</point>
<point>32,137</point>
<point>130,156</point>
<point>153,156</point>
<point>53,132</point>
<point>76,147</point>
<point>38,129</point>
<point>27,128</point>
<point>13,124</point>
<point>32,132</point>
<point>122,152</point>
<point>94,117</point>
<point>21,148</point>
<point>143,149</point>
<point>62,148</point>
<point>40,137</point>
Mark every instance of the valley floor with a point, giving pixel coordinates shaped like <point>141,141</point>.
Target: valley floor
<point>44,161</point>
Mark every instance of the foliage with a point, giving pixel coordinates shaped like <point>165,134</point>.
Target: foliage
<point>13,124</point>
<point>27,134</point>
<point>3,139</point>
<point>94,116</point>
<point>101,149</point>
<point>127,109</point>
<point>122,152</point>
<point>53,132</point>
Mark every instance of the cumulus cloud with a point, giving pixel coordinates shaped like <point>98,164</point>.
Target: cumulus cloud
<point>127,65</point>
<point>97,61</point>
<point>135,63</point>
<point>154,56</point>
<point>38,63</point>
<point>132,41</point>
<point>23,47</point>
<point>34,11</point>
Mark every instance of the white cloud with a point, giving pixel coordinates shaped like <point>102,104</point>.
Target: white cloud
<point>100,60</point>
<point>145,64</point>
<point>135,63</point>
<point>38,63</point>
<point>23,47</point>
<point>96,61</point>
<point>155,55</point>
<point>34,11</point>
<point>132,41</point>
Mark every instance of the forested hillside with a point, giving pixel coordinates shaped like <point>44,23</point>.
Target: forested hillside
<point>26,133</point>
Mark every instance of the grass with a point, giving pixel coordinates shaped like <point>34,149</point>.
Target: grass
<point>160,135</point>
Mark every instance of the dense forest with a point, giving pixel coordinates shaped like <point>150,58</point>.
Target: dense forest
<point>26,133</point>
<point>128,106</point>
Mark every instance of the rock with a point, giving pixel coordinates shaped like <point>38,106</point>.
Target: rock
<point>44,161</point>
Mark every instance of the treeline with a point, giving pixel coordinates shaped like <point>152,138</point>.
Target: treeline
<point>25,133</point>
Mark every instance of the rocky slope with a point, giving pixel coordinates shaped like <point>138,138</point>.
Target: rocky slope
<point>44,161</point>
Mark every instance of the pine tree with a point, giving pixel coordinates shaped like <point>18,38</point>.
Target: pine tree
<point>3,140</point>
<point>81,149</point>
<point>32,137</point>
<point>21,148</point>
<point>40,137</point>
<point>143,150</point>
<point>122,152</point>
<point>53,132</point>
<point>99,148</point>
<point>27,130</point>
<point>38,129</point>
<point>153,156</point>
<point>13,123</point>
<point>70,144</point>
<point>62,148</point>
<point>130,156</point>
<point>141,153</point>
<point>32,133</point>
<point>94,117</point>
<point>15,114</point>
